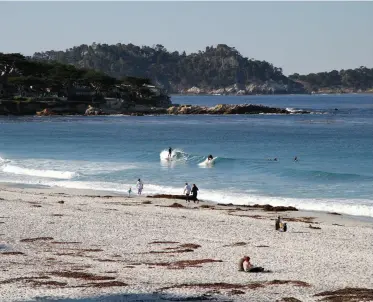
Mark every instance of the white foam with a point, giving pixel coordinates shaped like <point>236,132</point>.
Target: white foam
<point>39,173</point>
<point>176,154</point>
<point>207,163</point>
<point>356,207</point>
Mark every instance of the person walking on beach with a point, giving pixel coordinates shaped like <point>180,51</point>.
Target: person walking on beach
<point>169,152</point>
<point>187,190</point>
<point>139,186</point>
<point>194,193</point>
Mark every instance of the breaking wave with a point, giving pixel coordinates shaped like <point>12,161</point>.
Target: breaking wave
<point>39,173</point>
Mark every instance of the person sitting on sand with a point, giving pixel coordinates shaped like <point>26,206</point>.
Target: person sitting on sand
<point>248,267</point>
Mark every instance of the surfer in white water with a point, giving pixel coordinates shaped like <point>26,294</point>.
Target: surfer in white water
<point>169,152</point>
<point>210,158</point>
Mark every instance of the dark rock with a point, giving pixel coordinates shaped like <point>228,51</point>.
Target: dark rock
<point>227,109</point>
<point>168,196</point>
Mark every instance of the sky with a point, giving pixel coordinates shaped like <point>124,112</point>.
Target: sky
<point>301,37</point>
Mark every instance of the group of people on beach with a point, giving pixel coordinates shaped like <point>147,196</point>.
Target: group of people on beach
<point>188,191</point>
<point>194,190</point>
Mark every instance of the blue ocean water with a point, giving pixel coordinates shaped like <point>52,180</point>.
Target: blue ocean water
<point>334,171</point>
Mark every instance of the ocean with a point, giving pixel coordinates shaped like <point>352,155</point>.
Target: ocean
<point>333,144</point>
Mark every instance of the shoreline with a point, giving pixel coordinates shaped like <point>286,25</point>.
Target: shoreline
<point>92,192</point>
<point>54,242</point>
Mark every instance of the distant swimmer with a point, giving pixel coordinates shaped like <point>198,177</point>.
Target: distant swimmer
<point>296,158</point>
<point>275,159</point>
<point>169,152</point>
<point>210,157</point>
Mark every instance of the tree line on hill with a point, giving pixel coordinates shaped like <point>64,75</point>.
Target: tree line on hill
<point>216,67</point>
<point>358,79</point>
<point>19,74</point>
<point>213,68</point>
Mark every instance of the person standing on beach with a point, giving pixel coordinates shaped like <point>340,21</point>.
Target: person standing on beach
<point>187,190</point>
<point>194,193</point>
<point>139,186</point>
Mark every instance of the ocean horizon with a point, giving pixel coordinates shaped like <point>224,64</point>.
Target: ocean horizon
<point>333,145</point>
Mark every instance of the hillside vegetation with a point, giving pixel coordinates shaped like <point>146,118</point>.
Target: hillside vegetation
<point>20,76</point>
<point>359,79</point>
<point>214,68</point>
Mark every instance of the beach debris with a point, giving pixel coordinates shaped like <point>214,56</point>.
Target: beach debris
<point>12,253</point>
<point>236,244</point>
<point>104,284</point>
<point>313,227</point>
<point>348,294</point>
<point>163,242</point>
<point>61,201</point>
<point>289,299</point>
<point>47,283</point>
<point>223,285</point>
<point>184,263</point>
<point>234,292</point>
<point>80,275</point>
<point>183,248</point>
<point>65,242</point>
<point>334,213</point>
<point>18,279</point>
<point>36,239</point>
<point>176,205</point>
<point>266,207</point>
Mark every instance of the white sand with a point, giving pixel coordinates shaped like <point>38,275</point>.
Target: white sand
<point>330,258</point>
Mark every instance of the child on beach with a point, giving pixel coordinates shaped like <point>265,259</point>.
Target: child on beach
<point>129,192</point>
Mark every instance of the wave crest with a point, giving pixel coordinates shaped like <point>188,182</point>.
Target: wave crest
<point>39,173</point>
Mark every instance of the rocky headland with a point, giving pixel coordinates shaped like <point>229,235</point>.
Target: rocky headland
<point>58,107</point>
<point>228,109</point>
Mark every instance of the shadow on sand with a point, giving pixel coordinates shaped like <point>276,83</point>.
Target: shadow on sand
<point>133,298</point>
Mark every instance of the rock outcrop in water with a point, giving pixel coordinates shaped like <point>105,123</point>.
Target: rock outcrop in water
<point>65,108</point>
<point>227,109</point>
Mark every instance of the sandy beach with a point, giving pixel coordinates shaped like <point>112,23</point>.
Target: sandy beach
<point>74,245</point>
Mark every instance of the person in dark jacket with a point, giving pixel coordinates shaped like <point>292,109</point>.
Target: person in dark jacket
<point>194,193</point>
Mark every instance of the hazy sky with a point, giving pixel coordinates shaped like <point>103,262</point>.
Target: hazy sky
<point>300,37</point>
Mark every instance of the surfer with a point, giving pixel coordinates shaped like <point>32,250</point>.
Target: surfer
<point>210,157</point>
<point>169,152</point>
